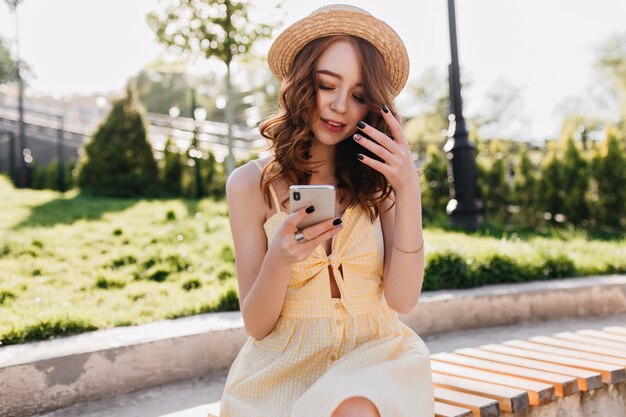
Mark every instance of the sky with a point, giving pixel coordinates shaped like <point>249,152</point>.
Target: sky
<point>546,48</point>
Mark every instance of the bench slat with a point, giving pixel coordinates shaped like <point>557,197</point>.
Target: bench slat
<point>574,354</point>
<point>447,410</point>
<point>615,329</point>
<point>538,392</point>
<point>591,340</point>
<point>582,346</point>
<point>603,335</point>
<point>509,399</point>
<point>610,373</point>
<point>587,380</point>
<point>480,406</point>
<point>564,385</point>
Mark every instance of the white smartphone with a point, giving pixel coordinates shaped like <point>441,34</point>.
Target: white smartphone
<point>320,196</point>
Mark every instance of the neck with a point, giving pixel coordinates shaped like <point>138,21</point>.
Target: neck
<point>324,157</point>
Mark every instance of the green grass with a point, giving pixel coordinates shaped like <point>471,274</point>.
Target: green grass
<point>71,263</point>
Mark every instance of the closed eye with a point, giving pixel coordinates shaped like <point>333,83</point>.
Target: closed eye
<point>356,97</point>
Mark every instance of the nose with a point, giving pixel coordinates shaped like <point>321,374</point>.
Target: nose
<point>340,102</point>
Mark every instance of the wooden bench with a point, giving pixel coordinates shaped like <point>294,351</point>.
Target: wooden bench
<point>509,378</point>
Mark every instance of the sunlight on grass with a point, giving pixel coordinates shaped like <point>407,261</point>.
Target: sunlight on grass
<point>71,263</point>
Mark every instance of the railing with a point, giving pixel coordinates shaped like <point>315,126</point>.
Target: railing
<point>48,129</point>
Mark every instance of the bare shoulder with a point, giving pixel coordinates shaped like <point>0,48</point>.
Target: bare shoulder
<point>246,178</point>
<point>243,191</point>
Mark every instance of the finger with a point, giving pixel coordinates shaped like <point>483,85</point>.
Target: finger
<point>377,165</point>
<point>381,151</point>
<point>294,218</point>
<point>378,136</point>
<point>310,245</point>
<point>394,121</point>
<point>317,229</point>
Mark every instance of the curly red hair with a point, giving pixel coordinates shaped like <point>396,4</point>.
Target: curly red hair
<point>290,135</point>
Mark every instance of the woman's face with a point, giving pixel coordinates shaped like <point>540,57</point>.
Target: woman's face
<point>340,103</point>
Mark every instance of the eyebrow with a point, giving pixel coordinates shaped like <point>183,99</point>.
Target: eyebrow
<point>334,74</point>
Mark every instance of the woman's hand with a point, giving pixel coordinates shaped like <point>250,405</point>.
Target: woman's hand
<point>397,165</point>
<point>288,249</point>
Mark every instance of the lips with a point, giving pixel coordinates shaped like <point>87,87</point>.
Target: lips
<point>332,125</point>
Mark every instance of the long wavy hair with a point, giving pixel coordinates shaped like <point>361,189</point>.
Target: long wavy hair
<point>290,136</point>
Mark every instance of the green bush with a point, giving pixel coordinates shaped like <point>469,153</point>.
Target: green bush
<point>446,270</point>
<point>118,160</point>
<point>191,284</point>
<point>450,271</point>
<point>229,301</point>
<point>558,267</point>
<point>500,269</point>
<point>109,284</point>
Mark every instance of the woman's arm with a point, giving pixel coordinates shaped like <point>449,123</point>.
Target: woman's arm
<point>403,273</point>
<point>402,227</point>
<point>263,273</point>
<point>262,280</point>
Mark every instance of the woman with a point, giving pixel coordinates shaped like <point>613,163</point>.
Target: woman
<point>320,304</point>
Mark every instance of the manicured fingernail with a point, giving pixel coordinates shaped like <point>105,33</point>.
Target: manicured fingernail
<point>310,209</point>
<point>360,124</point>
<point>336,222</point>
<point>357,136</point>
<point>360,156</point>
<point>385,108</point>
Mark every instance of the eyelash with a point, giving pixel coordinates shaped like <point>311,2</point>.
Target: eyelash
<point>357,98</point>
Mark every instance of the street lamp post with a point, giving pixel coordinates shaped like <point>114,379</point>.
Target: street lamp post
<point>464,208</point>
<point>199,115</point>
<point>24,177</point>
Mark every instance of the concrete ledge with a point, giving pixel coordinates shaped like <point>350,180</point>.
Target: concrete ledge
<point>41,376</point>
<point>441,311</point>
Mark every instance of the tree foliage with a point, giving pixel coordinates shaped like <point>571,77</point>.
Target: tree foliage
<point>118,161</point>
<point>7,64</point>
<point>212,28</point>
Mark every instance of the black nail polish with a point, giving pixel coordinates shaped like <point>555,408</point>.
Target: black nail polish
<point>385,108</point>
<point>336,222</point>
<point>359,156</point>
<point>360,124</point>
<point>310,209</point>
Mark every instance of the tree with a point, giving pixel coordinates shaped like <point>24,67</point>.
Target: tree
<point>7,64</point>
<point>429,96</point>
<point>611,64</point>
<point>550,185</point>
<point>172,169</point>
<point>435,187</point>
<point>210,29</point>
<point>609,173</point>
<point>575,177</point>
<point>495,189</point>
<point>118,160</point>
<point>525,187</point>
<point>501,114</point>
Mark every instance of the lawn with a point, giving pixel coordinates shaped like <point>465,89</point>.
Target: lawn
<point>71,263</point>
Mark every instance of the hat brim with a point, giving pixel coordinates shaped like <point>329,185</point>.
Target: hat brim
<point>341,22</point>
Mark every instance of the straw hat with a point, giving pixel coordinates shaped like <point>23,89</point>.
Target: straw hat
<point>341,20</point>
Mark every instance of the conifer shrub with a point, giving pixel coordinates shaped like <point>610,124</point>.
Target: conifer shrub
<point>118,160</point>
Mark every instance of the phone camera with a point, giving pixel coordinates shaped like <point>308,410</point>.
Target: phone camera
<point>296,195</point>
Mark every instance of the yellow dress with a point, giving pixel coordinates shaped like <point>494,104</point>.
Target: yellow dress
<point>324,350</point>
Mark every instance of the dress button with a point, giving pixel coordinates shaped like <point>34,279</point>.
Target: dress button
<point>337,306</point>
<point>338,322</point>
<point>333,357</point>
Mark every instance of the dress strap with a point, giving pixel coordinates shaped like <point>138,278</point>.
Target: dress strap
<point>272,191</point>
